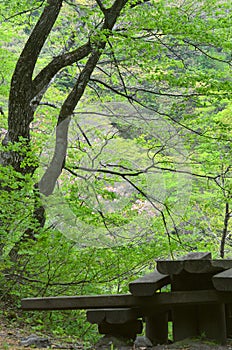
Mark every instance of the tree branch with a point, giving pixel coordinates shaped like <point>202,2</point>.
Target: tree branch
<point>24,12</point>
<point>47,73</point>
<point>48,181</point>
<point>132,98</point>
<point>26,62</point>
<point>196,47</point>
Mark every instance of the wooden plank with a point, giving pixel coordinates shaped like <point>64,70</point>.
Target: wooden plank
<point>170,267</point>
<point>79,302</point>
<point>207,266</point>
<point>197,256</point>
<point>157,328</point>
<point>228,312</point>
<point>197,320</point>
<point>184,322</point>
<point>116,316</point>
<point>223,281</point>
<point>127,330</point>
<point>96,317</point>
<point>175,267</point>
<point>224,264</point>
<point>186,281</point>
<point>126,300</point>
<point>148,284</point>
<point>212,322</point>
<point>198,266</point>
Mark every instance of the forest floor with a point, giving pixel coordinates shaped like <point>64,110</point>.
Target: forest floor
<point>11,336</point>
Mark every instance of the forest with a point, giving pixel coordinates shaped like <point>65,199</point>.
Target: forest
<point>115,132</point>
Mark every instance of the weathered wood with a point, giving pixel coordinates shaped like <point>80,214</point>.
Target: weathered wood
<point>148,284</point>
<point>224,264</point>
<point>195,320</point>
<point>223,281</point>
<point>126,300</point>
<point>228,311</point>
<point>79,302</point>
<point>157,328</point>
<point>207,266</point>
<point>128,330</point>
<point>197,256</point>
<point>199,302</point>
<point>212,322</point>
<point>116,316</point>
<point>186,281</point>
<point>185,322</point>
<point>171,267</point>
<point>198,266</point>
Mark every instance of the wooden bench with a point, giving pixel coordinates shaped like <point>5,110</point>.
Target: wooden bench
<point>121,322</point>
<point>199,302</point>
<point>148,284</point>
<point>104,309</point>
<point>197,272</point>
<point>156,320</point>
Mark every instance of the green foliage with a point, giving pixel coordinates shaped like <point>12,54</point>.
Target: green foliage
<point>148,168</point>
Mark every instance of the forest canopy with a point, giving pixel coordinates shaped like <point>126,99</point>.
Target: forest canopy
<point>115,139</point>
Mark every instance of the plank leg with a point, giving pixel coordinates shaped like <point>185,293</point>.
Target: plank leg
<point>212,322</point>
<point>157,328</point>
<point>127,330</point>
<point>228,320</point>
<point>184,322</point>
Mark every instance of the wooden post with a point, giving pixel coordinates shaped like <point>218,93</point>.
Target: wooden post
<point>157,328</point>
<point>127,330</point>
<point>185,323</point>
<point>212,322</point>
<point>228,310</point>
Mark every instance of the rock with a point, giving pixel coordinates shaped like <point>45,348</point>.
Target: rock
<point>110,341</point>
<point>34,340</point>
<point>142,342</point>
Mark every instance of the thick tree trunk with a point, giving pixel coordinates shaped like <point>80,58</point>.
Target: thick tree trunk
<point>26,93</point>
<point>225,230</point>
<point>54,169</point>
<point>22,102</point>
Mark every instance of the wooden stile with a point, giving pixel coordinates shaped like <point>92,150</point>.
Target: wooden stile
<point>175,267</point>
<point>116,316</point>
<point>223,281</point>
<point>148,284</point>
<point>200,302</point>
<point>125,300</point>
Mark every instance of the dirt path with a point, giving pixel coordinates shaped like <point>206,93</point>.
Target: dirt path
<point>12,335</point>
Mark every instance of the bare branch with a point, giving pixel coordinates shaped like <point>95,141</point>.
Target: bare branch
<point>47,73</point>
<point>24,12</point>
<point>54,169</point>
<point>225,230</point>
<point>132,98</point>
<point>101,6</point>
<point>26,62</point>
<point>197,47</point>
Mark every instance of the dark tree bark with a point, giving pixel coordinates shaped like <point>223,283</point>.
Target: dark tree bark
<point>54,169</point>
<point>225,230</point>
<point>22,92</point>
<point>26,93</point>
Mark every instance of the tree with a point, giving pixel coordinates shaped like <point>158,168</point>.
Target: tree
<point>167,61</point>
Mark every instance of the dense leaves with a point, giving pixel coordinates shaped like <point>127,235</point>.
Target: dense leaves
<point>139,164</point>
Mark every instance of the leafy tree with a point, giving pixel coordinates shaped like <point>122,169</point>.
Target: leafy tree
<point>140,83</point>
<point>139,166</point>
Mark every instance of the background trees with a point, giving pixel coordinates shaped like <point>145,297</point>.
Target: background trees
<point>140,162</point>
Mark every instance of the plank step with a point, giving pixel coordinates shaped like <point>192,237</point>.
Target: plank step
<point>223,281</point>
<point>175,267</point>
<point>112,316</point>
<point>148,284</point>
